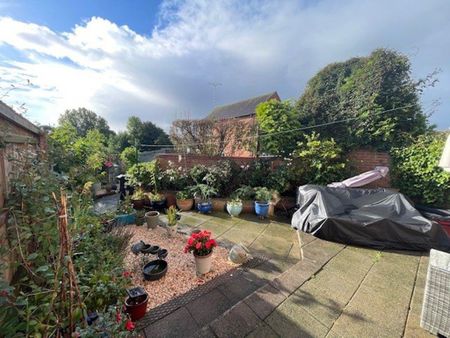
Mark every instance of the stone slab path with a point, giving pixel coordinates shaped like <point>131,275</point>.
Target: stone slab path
<point>336,291</point>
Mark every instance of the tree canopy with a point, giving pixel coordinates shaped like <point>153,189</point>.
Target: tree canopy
<point>85,120</point>
<point>363,88</point>
<point>145,132</point>
<point>275,119</point>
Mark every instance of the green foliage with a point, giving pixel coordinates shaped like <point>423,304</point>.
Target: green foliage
<point>172,216</point>
<point>145,133</point>
<point>138,194</point>
<point>274,119</point>
<point>416,172</point>
<point>362,87</point>
<point>34,304</point>
<point>129,156</point>
<point>317,161</point>
<point>144,174</point>
<point>244,192</point>
<point>219,176</point>
<point>203,191</point>
<point>185,194</point>
<point>262,194</point>
<point>174,178</point>
<point>85,120</point>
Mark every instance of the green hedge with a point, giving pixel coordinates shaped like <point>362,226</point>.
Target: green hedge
<point>416,173</point>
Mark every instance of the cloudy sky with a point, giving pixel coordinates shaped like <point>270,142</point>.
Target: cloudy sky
<point>158,59</point>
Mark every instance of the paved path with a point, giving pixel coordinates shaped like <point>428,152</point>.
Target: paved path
<point>336,291</point>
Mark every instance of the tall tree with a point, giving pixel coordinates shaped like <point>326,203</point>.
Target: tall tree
<point>145,132</point>
<point>364,88</point>
<point>85,120</point>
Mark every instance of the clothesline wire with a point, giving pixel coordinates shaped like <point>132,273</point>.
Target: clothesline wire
<point>281,132</point>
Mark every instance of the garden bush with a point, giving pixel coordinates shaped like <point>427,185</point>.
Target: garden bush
<point>144,174</point>
<point>416,172</point>
<point>35,304</point>
<point>318,161</point>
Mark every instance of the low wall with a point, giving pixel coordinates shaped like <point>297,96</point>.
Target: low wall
<point>188,161</point>
<point>364,160</point>
<point>361,160</point>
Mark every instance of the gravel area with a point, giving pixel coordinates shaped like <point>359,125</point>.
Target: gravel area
<point>181,275</point>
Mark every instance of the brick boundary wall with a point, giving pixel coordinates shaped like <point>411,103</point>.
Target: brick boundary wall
<point>365,159</point>
<point>190,160</point>
<point>361,160</point>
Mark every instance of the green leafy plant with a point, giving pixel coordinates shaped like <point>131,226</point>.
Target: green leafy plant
<point>125,206</point>
<point>416,172</point>
<point>262,194</point>
<point>235,202</point>
<point>129,156</point>
<point>244,192</point>
<point>155,197</point>
<point>144,174</point>
<point>172,216</point>
<point>185,194</point>
<point>318,161</point>
<point>203,191</point>
<point>139,194</point>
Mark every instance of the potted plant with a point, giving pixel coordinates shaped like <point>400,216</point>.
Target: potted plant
<point>234,206</point>
<point>262,199</point>
<point>185,200</point>
<point>126,213</point>
<point>246,194</point>
<point>203,194</point>
<point>136,303</point>
<point>172,220</point>
<point>157,201</point>
<point>138,198</point>
<point>152,219</point>
<point>201,245</point>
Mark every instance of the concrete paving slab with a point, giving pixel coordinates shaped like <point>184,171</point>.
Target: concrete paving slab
<point>250,226</point>
<point>234,235</point>
<point>240,288</point>
<point>208,307</point>
<point>381,306</point>
<point>265,300</point>
<point>413,328</point>
<point>174,325</point>
<point>321,251</point>
<point>272,247</point>
<point>263,331</point>
<point>216,229</point>
<point>238,322</point>
<point>291,320</point>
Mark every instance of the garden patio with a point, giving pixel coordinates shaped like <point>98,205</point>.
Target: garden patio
<point>335,291</point>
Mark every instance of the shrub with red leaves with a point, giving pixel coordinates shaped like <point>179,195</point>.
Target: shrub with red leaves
<point>200,243</point>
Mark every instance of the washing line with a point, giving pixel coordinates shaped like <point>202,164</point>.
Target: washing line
<point>280,132</point>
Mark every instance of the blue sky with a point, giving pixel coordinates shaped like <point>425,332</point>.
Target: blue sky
<point>156,59</point>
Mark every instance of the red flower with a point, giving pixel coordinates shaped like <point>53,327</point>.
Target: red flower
<point>210,244</point>
<point>118,317</point>
<point>126,274</point>
<point>4,293</point>
<point>129,325</point>
<point>191,241</point>
<point>198,246</point>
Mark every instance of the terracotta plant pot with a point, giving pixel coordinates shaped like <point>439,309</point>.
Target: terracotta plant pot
<point>248,207</point>
<point>171,198</point>
<point>152,219</point>
<point>203,263</point>
<point>138,204</point>
<point>218,204</point>
<point>136,309</point>
<point>185,205</point>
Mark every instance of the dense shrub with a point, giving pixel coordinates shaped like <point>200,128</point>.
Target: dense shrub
<point>416,172</point>
<point>144,174</point>
<point>129,156</point>
<point>317,161</point>
<point>35,304</point>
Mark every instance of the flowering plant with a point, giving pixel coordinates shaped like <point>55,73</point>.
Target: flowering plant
<point>200,243</point>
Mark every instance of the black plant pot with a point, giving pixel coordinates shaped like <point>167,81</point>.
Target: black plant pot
<point>159,205</point>
<point>155,270</point>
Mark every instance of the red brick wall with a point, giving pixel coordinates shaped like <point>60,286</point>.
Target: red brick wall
<point>364,160</point>
<point>188,161</point>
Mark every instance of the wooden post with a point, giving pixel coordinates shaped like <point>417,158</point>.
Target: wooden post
<point>300,244</point>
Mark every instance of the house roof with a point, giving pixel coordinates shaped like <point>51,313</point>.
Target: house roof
<point>241,108</point>
<point>9,114</point>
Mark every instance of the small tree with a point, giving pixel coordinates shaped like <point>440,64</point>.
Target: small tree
<point>84,120</point>
<point>317,161</point>
<point>129,156</point>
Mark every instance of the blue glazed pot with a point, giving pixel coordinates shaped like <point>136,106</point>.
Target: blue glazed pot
<point>234,209</point>
<point>261,209</point>
<point>126,219</point>
<point>204,207</point>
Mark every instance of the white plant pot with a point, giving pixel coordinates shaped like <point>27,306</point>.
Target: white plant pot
<point>172,230</point>
<point>203,263</point>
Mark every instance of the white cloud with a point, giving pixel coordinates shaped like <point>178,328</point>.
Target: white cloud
<point>250,47</point>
